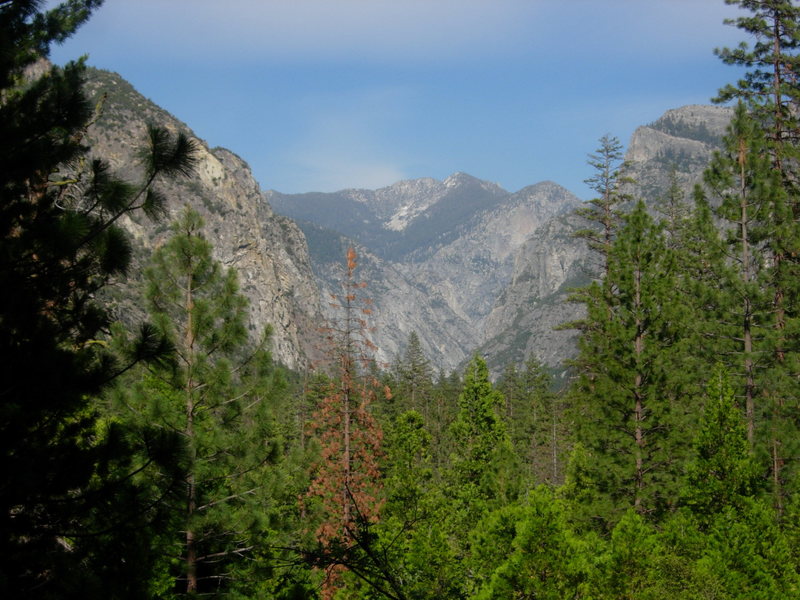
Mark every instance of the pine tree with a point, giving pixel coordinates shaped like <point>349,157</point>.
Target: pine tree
<point>346,480</point>
<point>722,472</point>
<point>737,547</point>
<point>72,521</point>
<point>741,179</point>
<point>628,568</point>
<point>526,550</point>
<point>484,463</point>
<point>603,210</point>
<point>533,419</point>
<point>605,219</point>
<point>675,211</point>
<point>415,379</point>
<point>217,393</point>
<point>771,93</point>
<point>770,86</point>
<point>444,405</point>
<point>702,270</point>
<point>626,396</point>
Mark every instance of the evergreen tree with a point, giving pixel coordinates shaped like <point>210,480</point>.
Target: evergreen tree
<point>747,556</point>
<point>533,419</point>
<point>702,274</point>
<point>772,95</point>
<point>484,464</point>
<point>675,211</point>
<point>741,551</point>
<point>770,86</point>
<point>741,178</point>
<point>603,210</point>
<point>626,397</point>
<point>722,473</point>
<point>73,523</point>
<point>408,465</point>
<point>526,550</point>
<point>217,393</point>
<point>415,379</point>
<point>444,405</point>
<point>346,480</point>
<point>628,568</point>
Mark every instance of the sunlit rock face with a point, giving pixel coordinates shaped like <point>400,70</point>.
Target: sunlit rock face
<point>268,251</point>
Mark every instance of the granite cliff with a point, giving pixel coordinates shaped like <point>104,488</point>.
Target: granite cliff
<point>268,250</point>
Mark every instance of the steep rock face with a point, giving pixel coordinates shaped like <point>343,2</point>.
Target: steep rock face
<point>477,264</point>
<point>435,254</point>
<point>681,141</point>
<point>525,318</point>
<point>268,251</point>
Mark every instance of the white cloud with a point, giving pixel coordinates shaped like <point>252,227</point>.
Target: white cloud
<point>407,31</point>
<point>288,30</point>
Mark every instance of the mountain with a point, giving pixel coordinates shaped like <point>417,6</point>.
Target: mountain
<point>680,141</point>
<point>526,314</point>
<point>268,251</point>
<point>397,220</point>
<point>435,254</point>
<point>470,266</point>
<point>462,262</point>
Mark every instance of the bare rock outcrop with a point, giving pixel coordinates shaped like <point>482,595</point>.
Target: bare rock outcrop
<point>268,251</point>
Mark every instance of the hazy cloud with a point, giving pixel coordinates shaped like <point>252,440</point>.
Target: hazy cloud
<point>288,30</point>
<point>491,83</point>
<point>419,31</point>
<point>344,143</point>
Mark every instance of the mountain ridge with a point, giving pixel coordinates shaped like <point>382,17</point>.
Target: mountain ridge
<point>462,262</point>
<point>450,258</point>
<point>502,264</point>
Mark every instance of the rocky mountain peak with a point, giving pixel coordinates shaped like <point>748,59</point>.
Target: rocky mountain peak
<point>681,141</point>
<point>460,179</point>
<point>407,199</point>
<point>701,122</point>
<point>681,134</point>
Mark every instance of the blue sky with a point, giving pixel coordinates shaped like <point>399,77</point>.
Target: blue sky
<point>321,95</point>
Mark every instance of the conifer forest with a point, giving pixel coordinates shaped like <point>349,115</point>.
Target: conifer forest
<point>175,458</point>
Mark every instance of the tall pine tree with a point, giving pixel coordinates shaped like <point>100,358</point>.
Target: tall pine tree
<point>625,400</point>
<point>218,393</point>
<point>72,522</point>
<point>744,186</point>
<point>345,486</point>
<point>602,211</point>
<point>772,95</point>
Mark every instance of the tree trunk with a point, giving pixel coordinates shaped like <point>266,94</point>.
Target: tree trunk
<point>747,308</point>
<point>638,349</point>
<point>191,490</point>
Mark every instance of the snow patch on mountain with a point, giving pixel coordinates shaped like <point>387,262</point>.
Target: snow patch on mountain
<point>415,197</point>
